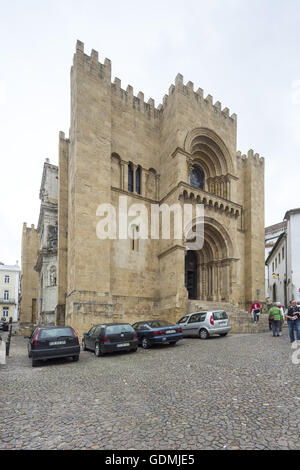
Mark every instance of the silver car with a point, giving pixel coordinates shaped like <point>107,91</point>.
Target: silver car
<point>205,324</point>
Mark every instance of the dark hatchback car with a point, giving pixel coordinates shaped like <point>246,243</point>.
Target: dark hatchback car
<point>4,324</point>
<point>110,337</point>
<point>157,332</point>
<point>53,342</point>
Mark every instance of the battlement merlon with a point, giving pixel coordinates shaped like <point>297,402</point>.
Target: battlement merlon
<point>92,64</point>
<point>250,158</point>
<point>28,229</point>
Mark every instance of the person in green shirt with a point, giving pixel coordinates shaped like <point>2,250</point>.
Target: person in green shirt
<point>275,315</point>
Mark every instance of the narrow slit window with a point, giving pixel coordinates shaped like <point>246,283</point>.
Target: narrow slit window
<point>130,178</point>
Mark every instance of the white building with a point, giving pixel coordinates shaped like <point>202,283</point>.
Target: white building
<point>283,262</point>
<point>9,291</point>
<point>272,234</point>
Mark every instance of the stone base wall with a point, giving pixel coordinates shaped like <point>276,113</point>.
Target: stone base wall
<point>87,309</point>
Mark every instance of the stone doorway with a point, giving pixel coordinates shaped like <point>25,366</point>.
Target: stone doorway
<point>208,271</point>
<point>191,274</point>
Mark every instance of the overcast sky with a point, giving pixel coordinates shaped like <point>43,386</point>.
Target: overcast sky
<point>245,53</point>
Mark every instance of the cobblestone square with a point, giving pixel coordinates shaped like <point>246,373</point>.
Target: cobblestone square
<point>238,392</point>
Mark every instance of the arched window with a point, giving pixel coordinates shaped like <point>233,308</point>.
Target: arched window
<point>130,178</point>
<point>197,177</point>
<point>138,174</point>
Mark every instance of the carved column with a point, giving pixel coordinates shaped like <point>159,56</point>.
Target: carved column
<point>122,174</point>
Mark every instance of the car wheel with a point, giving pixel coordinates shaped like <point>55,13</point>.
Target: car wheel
<point>75,358</point>
<point>34,363</point>
<point>145,343</point>
<point>173,343</point>
<point>83,346</point>
<point>223,334</point>
<point>203,334</point>
<point>133,349</point>
<point>98,351</point>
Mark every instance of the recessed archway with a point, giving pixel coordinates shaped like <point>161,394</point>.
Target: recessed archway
<point>208,272</point>
<point>209,152</point>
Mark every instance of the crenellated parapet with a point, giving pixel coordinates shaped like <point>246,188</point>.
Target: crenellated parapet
<point>137,102</point>
<point>251,158</point>
<point>91,64</point>
<point>196,96</point>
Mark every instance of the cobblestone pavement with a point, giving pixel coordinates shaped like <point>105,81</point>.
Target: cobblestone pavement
<point>238,392</point>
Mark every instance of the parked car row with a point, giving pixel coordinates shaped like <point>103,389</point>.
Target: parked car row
<point>62,341</point>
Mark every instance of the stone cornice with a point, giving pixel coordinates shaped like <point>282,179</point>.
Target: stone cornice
<point>134,195</point>
<point>195,190</point>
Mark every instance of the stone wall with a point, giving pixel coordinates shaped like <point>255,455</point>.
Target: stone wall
<point>29,277</point>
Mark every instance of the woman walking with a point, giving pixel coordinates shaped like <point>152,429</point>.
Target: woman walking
<point>276,316</point>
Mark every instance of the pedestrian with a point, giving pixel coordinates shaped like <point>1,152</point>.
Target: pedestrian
<point>278,304</point>
<point>255,310</point>
<point>275,315</point>
<point>293,321</point>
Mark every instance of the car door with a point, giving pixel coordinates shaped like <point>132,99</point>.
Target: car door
<point>88,338</point>
<point>142,330</point>
<point>193,325</point>
<point>95,336</point>
<point>183,322</point>
<point>30,340</point>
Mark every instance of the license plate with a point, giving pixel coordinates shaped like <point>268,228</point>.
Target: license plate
<point>57,343</point>
<point>169,332</point>
<point>223,323</point>
<point>123,345</point>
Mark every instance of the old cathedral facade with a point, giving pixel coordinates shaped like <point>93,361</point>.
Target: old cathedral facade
<point>183,151</point>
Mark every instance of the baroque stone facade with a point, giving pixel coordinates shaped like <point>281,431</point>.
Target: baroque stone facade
<point>46,263</point>
<point>181,151</point>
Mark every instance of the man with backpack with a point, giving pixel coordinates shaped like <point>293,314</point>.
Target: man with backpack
<point>293,321</point>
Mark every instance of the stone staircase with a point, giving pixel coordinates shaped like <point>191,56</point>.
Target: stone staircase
<point>241,321</point>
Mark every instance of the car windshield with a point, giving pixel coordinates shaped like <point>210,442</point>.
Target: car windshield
<point>220,316</point>
<point>158,323</point>
<point>56,333</point>
<point>118,329</point>
<point>183,320</point>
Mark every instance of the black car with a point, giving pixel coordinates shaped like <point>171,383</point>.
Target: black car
<point>110,337</point>
<point>157,332</point>
<point>4,324</point>
<point>51,342</point>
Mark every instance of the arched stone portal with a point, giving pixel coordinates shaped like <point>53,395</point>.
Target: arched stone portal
<point>208,272</point>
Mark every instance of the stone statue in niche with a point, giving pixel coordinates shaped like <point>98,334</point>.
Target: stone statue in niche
<point>53,276</point>
<point>52,236</point>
